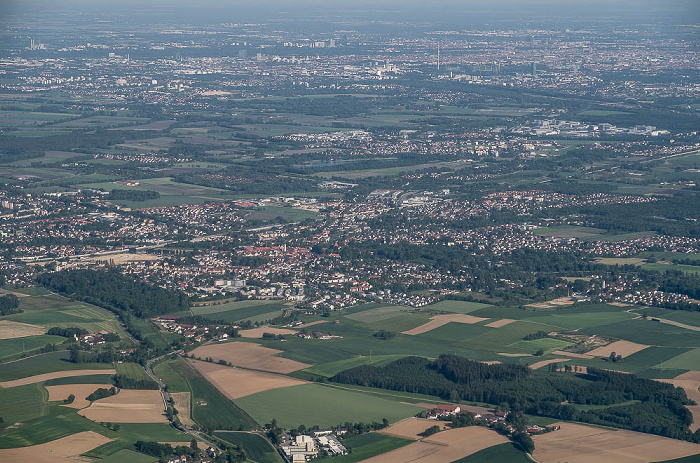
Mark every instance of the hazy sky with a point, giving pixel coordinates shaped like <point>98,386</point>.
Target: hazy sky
<point>683,10</point>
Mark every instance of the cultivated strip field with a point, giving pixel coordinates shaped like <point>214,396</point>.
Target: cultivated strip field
<point>443,447</point>
<point>235,383</point>
<point>80,391</point>
<point>250,355</point>
<point>575,443</point>
<point>12,330</point>
<point>182,405</point>
<point>624,348</point>
<point>571,354</point>
<point>440,320</point>
<point>67,449</point>
<point>128,406</point>
<point>54,375</point>
<point>410,428</point>
<point>256,333</point>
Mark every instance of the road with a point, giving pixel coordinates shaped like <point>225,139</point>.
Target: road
<point>166,398</point>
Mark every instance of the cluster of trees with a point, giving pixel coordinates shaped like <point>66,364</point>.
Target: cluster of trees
<point>163,451</point>
<point>75,355</point>
<point>70,332</point>
<point>101,393</point>
<point>69,400</point>
<point>9,304</point>
<point>132,195</point>
<point>660,409</point>
<point>125,382</point>
<point>384,334</point>
<point>115,291</point>
<point>532,336</point>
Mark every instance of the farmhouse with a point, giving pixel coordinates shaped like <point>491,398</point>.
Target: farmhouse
<point>442,411</point>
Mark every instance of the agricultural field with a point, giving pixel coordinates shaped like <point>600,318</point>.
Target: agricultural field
<point>457,306</point>
<point>128,406</point>
<point>256,447</point>
<point>240,311</point>
<point>236,382</point>
<point>210,408</point>
<point>578,443</point>
<point>501,452</point>
<point>249,355</point>
<point>313,404</point>
<point>53,362</point>
<point>445,446</point>
<point>48,310</point>
<point>369,445</point>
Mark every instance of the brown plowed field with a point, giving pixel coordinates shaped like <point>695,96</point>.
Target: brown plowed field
<point>128,406</point>
<point>500,323</point>
<point>624,348</point>
<point>250,355</point>
<point>182,405</point>
<point>65,450</point>
<point>256,333</point>
<point>12,330</point>
<point>575,443</point>
<point>443,447</point>
<point>235,382</point>
<point>411,427</point>
<point>80,391</point>
<point>439,320</point>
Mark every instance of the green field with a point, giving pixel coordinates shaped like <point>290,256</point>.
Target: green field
<point>503,452</point>
<point>209,407</point>
<point>241,310</point>
<point>129,456</point>
<point>313,404</point>
<point>686,361</point>
<point>661,267</point>
<point>256,447</point>
<point>691,459</point>
<point>168,373</point>
<point>649,332</point>
<point>378,314</point>
<point>132,370</point>
<point>500,339</point>
<point>545,344</point>
<point>331,368</point>
<point>18,346</point>
<point>44,363</point>
<point>368,445</point>
<point>49,310</point>
<point>457,306</point>
<point>22,403</point>
<point>87,379</point>
<point>400,323</point>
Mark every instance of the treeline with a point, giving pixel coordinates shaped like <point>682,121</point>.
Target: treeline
<point>125,382</point>
<point>101,393</point>
<point>70,332</point>
<point>164,451</point>
<point>660,409</point>
<point>113,290</point>
<point>9,304</point>
<point>132,195</point>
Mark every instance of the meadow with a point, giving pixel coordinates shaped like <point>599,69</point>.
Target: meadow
<point>368,445</point>
<point>314,404</point>
<point>256,447</point>
<point>45,363</point>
